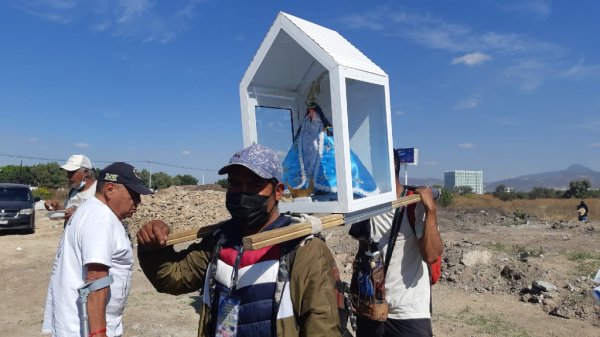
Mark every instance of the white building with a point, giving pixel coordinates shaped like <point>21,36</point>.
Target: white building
<point>457,178</point>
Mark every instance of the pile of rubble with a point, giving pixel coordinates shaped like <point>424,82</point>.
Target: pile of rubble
<point>472,267</point>
<point>469,266</point>
<point>182,207</point>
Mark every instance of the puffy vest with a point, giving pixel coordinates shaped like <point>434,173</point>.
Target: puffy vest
<point>255,275</point>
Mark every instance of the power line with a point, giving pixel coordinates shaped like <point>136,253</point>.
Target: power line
<point>106,161</point>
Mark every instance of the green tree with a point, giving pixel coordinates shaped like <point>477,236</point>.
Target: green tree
<point>463,190</point>
<point>16,174</point>
<point>500,189</point>
<point>185,179</point>
<point>222,182</point>
<point>49,175</point>
<point>542,192</point>
<point>578,188</point>
<point>161,180</point>
<point>145,176</point>
<point>446,197</point>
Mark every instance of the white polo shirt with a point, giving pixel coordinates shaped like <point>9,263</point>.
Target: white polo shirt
<point>93,235</point>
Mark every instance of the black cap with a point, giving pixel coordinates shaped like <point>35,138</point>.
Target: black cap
<point>123,173</point>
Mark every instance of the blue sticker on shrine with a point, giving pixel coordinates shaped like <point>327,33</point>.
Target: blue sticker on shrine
<point>227,315</point>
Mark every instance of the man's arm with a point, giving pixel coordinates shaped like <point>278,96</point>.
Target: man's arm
<point>430,243</point>
<point>98,299</point>
<point>169,271</point>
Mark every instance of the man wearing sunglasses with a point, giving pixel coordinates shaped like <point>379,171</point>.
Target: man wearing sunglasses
<point>96,244</point>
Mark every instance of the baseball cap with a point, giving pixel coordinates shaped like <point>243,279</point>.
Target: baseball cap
<point>77,161</point>
<point>261,160</point>
<point>123,173</point>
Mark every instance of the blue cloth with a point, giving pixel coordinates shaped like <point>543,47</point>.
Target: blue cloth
<point>312,158</point>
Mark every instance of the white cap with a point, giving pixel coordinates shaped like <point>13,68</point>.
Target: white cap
<point>77,161</point>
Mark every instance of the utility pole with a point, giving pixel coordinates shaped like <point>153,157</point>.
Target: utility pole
<point>150,179</point>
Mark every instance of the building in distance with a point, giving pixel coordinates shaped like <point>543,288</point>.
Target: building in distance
<point>460,178</point>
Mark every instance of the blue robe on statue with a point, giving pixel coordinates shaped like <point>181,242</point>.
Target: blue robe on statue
<point>312,158</point>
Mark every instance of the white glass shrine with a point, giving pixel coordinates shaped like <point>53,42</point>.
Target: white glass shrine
<point>343,168</point>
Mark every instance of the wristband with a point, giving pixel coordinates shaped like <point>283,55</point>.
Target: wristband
<point>92,334</point>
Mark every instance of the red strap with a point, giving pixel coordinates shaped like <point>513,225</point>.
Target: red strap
<point>92,334</point>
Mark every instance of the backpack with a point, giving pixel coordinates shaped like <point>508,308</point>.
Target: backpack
<point>341,290</point>
<point>435,269</point>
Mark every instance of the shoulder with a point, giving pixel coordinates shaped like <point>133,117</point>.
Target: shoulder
<point>312,253</point>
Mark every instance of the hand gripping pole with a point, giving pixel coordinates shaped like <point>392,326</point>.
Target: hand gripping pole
<point>84,292</point>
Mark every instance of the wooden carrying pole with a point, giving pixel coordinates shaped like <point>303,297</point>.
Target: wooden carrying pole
<point>279,235</point>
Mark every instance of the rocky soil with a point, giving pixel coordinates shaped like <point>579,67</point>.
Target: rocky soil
<point>502,276</point>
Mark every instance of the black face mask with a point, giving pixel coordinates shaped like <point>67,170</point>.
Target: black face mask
<point>248,210</point>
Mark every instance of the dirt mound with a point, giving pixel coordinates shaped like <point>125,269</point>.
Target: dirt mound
<point>181,207</point>
<point>486,250</point>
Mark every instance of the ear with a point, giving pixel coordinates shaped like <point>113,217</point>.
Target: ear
<point>109,190</point>
<point>279,188</point>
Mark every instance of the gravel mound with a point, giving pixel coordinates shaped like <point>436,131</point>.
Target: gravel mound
<point>479,267</point>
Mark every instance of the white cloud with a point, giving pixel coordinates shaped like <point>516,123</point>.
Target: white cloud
<point>82,145</point>
<point>130,9</point>
<point>466,146</point>
<point>33,140</point>
<point>140,20</point>
<point>529,72</point>
<point>437,33</point>
<point>186,152</point>
<point>591,125</point>
<point>277,127</point>
<point>399,113</point>
<point>581,71</point>
<point>62,3</point>
<point>472,59</point>
<point>468,103</point>
<point>595,145</point>
<point>541,8</point>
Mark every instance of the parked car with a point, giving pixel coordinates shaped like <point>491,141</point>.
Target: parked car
<point>17,209</point>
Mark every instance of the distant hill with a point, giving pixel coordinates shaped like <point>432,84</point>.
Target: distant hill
<point>555,180</point>
<point>423,181</point>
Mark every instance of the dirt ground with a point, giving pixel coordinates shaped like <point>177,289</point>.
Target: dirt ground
<point>490,262</point>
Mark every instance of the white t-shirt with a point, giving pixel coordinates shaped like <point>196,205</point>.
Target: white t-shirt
<point>93,235</point>
<point>77,197</point>
<point>407,280</point>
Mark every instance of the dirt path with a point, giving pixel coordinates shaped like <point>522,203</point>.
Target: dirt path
<point>26,263</point>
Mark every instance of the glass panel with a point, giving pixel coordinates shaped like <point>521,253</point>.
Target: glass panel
<point>274,129</point>
<point>370,151</point>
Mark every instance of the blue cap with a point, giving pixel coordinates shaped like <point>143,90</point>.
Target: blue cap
<point>123,173</point>
<point>261,160</point>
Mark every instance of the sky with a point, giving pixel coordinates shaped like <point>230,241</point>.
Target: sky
<point>509,87</point>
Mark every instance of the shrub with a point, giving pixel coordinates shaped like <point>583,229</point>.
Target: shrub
<point>446,197</point>
<point>222,182</point>
<point>42,192</point>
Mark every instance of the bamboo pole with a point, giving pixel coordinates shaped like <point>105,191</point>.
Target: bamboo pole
<point>279,235</point>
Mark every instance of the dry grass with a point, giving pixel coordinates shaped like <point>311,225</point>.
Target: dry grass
<point>544,209</point>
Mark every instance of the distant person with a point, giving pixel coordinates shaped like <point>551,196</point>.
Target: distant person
<point>248,293</point>
<point>81,180</point>
<point>95,244</point>
<point>582,211</point>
